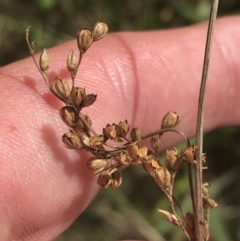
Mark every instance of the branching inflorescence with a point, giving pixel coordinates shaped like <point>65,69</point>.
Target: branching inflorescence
<point>108,161</point>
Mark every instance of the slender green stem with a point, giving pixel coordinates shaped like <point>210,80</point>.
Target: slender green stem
<point>199,128</point>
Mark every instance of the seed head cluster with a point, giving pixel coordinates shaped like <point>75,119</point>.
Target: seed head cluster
<point>109,160</point>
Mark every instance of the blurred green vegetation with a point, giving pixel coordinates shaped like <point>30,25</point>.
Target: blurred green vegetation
<point>130,212</point>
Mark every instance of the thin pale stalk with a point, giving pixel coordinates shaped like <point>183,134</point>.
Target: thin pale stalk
<point>88,126</point>
<point>161,131</point>
<point>32,52</point>
<point>74,73</point>
<point>199,127</point>
<point>154,133</point>
<point>171,201</point>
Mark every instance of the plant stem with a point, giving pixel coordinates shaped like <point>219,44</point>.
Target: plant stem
<point>74,73</point>
<point>199,128</point>
<point>32,52</point>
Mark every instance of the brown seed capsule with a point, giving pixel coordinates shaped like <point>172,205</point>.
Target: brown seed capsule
<point>71,140</point>
<point>155,143</point>
<point>84,40</point>
<point>105,177</point>
<point>84,138</point>
<point>205,191</point>
<point>132,150</point>
<point>171,218</point>
<point>97,165</point>
<point>100,29</point>
<point>69,116</point>
<point>188,154</point>
<point>77,95</point>
<point>44,61</point>
<point>136,134</point>
<point>123,158</point>
<point>209,203</point>
<point>163,177</point>
<point>116,179</point>
<point>96,141</point>
<point>170,120</point>
<point>71,61</point>
<point>172,161</point>
<point>122,128</point>
<point>88,100</point>
<point>80,125</point>
<point>142,151</point>
<point>110,132</point>
<point>150,163</point>
<point>60,88</point>
<point>154,161</point>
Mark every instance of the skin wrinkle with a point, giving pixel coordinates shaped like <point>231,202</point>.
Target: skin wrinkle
<point>112,76</point>
<point>109,75</point>
<point>133,68</point>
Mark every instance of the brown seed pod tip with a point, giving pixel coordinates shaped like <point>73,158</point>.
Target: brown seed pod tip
<point>170,120</point>
<point>44,61</point>
<point>88,100</point>
<point>123,158</point>
<point>209,203</point>
<point>60,88</point>
<point>69,116</point>
<point>84,40</point>
<point>71,140</point>
<point>155,143</point>
<point>188,154</point>
<point>171,218</point>
<point>100,29</point>
<point>71,61</point>
<point>122,128</point>
<point>116,179</point>
<point>97,165</point>
<point>77,95</point>
<point>110,132</point>
<point>163,177</point>
<point>172,160</point>
<point>80,127</point>
<point>132,150</point>
<point>136,134</point>
<point>96,141</point>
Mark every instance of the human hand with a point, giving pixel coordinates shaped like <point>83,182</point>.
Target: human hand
<point>138,77</point>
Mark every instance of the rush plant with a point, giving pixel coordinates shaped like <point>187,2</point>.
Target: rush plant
<point>119,145</point>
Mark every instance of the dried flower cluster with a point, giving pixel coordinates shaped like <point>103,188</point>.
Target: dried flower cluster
<point>108,161</point>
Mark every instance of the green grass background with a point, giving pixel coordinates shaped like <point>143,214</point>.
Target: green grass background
<point>130,212</point>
